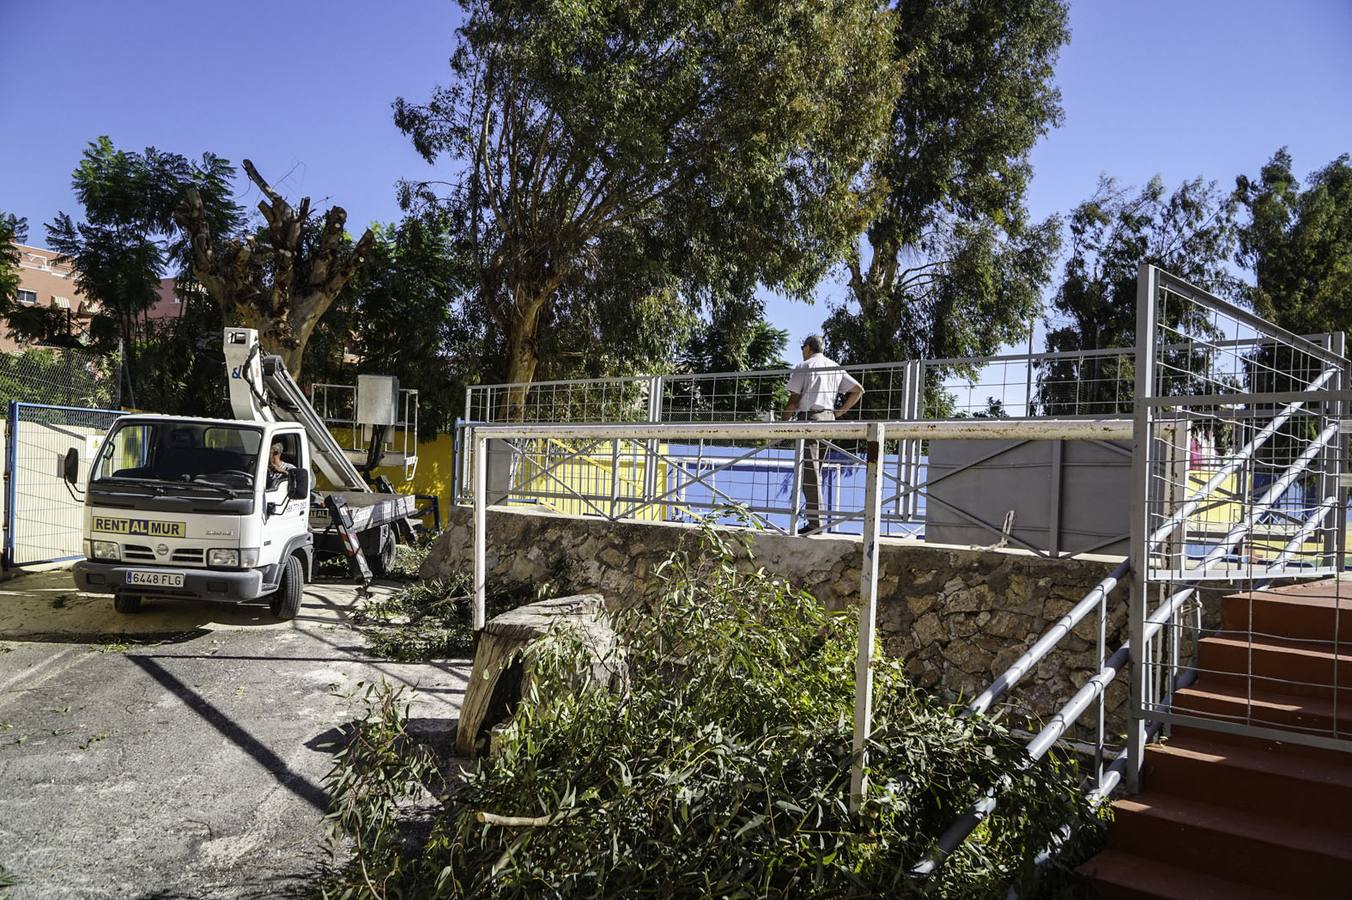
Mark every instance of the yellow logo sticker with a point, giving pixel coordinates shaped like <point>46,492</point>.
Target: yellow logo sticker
<point>140,527</point>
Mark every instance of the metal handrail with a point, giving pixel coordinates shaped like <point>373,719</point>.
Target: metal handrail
<point>962,827</point>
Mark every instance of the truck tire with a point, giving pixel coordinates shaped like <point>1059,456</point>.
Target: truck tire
<point>127,603</point>
<point>285,601</point>
<point>382,563</point>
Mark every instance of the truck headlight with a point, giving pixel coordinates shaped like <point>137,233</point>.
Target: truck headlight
<point>223,559</point>
<point>104,550</point>
<point>230,558</point>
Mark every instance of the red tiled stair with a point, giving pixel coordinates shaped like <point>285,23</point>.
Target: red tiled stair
<point>1226,816</point>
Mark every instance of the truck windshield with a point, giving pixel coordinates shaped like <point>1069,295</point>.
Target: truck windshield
<point>209,455</point>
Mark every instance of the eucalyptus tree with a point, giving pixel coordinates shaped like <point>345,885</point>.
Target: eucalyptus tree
<point>951,264</point>
<point>644,155</point>
<point>1189,232</point>
<point>1297,242</point>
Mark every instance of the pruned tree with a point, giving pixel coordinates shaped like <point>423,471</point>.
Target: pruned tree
<point>951,266</point>
<point>279,279</point>
<point>686,152</point>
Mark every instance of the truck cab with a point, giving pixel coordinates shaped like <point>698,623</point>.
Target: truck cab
<point>191,508</point>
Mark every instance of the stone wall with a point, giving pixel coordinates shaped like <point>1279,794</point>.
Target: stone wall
<point>958,616</point>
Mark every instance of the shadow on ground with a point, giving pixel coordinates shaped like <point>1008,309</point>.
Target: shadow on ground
<point>44,606</point>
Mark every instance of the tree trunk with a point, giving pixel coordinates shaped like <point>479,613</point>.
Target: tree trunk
<point>501,673</point>
<point>523,356</point>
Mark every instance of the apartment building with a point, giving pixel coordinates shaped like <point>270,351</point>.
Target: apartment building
<point>43,281</point>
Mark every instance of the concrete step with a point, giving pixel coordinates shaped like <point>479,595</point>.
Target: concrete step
<point>1304,668</point>
<point>1235,844</point>
<point>1267,709</point>
<point>1311,611</point>
<point>1263,779</point>
<point>1125,876</point>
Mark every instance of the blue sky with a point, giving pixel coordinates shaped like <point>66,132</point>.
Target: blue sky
<point>303,88</point>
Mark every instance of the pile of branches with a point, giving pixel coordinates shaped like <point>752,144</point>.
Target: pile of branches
<point>723,769</point>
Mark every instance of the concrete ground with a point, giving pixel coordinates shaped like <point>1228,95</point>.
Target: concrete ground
<point>179,752</point>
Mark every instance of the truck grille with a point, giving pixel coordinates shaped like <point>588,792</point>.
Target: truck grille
<point>191,556</point>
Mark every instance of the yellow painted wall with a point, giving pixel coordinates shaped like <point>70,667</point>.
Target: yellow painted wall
<point>591,475</point>
<point>435,467</point>
<point>1213,522</point>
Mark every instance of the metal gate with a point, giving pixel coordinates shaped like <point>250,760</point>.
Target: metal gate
<point>43,521</point>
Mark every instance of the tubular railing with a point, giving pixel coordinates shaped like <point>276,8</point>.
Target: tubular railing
<point>873,434</point>
<point>1293,433</point>
<point>1237,482</point>
<point>694,471</point>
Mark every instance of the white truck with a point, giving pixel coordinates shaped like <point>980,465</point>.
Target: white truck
<point>191,508</point>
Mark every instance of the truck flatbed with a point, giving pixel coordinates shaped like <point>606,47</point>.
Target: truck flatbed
<point>369,509</point>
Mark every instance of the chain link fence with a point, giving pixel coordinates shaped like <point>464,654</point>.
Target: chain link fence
<point>61,377</point>
<point>57,398</point>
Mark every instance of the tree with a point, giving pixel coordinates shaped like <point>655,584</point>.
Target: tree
<point>1189,233</point>
<point>611,153</point>
<point>735,339</point>
<point>126,239</point>
<point>950,265</point>
<point>280,279</point>
<point>1298,244</point>
<point>13,230</point>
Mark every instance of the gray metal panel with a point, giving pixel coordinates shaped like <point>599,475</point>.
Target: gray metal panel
<point>377,399</point>
<point>1083,495</point>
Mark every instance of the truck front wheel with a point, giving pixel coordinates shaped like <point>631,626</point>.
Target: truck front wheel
<point>285,602</point>
<point>127,603</point>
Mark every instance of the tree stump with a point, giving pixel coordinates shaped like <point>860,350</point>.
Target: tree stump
<point>501,672</point>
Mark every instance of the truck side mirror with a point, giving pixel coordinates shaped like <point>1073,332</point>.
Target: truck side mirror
<point>70,466</point>
<point>300,484</point>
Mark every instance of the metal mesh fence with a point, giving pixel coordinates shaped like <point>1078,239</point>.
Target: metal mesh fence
<point>1051,385</point>
<point>61,376</point>
<point>43,520</point>
<point>1241,491</point>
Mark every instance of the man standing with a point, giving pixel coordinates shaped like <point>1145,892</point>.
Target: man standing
<point>815,388</point>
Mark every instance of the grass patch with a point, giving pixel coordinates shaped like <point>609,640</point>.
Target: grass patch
<point>722,770</point>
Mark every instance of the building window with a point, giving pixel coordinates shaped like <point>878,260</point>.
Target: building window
<point>27,298</point>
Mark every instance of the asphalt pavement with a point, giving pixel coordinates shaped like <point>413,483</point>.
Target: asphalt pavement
<point>180,752</point>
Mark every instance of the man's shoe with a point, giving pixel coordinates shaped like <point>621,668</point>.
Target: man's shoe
<point>809,529</point>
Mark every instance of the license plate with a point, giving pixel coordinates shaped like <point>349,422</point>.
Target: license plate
<point>156,579</point>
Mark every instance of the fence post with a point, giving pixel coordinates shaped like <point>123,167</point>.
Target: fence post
<point>1331,464</point>
<point>868,614</point>
<point>480,528</point>
<point>1146,285</point>
<point>655,388</point>
<point>11,445</point>
<point>797,482</point>
<point>614,479</point>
